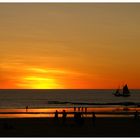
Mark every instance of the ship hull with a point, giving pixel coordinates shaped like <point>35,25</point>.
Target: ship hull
<point>121,95</point>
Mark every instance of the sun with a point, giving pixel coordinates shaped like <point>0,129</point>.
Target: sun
<point>36,82</point>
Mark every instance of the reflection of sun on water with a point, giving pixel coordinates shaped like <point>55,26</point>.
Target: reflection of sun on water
<point>36,82</point>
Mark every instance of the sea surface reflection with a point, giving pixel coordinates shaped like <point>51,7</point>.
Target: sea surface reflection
<point>49,112</point>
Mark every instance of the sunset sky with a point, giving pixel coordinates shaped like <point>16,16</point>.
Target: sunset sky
<point>70,46</point>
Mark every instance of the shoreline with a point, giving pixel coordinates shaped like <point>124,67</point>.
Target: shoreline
<point>49,112</point>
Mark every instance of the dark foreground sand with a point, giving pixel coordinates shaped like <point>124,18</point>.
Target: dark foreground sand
<point>45,127</point>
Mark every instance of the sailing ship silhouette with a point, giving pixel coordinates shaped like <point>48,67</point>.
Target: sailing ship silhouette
<point>125,92</point>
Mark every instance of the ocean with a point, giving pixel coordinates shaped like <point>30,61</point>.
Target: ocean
<point>40,98</point>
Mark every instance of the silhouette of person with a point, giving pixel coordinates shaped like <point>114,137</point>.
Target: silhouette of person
<point>93,118</point>
<point>82,109</point>
<point>64,115</point>
<point>26,108</point>
<point>56,116</point>
<point>79,109</point>
<point>86,111</point>
<point>136,114</point>
<point>74,109</point>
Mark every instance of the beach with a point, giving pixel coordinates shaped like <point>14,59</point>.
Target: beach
<point>29,113</point>
<point>46,127</point>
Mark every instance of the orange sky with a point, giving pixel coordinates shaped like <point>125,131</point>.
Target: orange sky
<point>69,45</point>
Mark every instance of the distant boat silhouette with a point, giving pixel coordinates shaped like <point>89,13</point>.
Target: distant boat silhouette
<point>125,92</point>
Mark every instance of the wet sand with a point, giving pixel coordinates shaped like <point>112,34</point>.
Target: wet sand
<point>46,127</point>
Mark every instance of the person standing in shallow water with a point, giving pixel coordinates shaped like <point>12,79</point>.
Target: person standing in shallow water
<point>93,118</point>
<point>86,111</point>
<point>56,116</point>
<point>74,109</point>
<point>136,115</point>
<point>26,108</point>
<point>64,116</point>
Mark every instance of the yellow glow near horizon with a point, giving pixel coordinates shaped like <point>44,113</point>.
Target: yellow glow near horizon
<point>35,82</point>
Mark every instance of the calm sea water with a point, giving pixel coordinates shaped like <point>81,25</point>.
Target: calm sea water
<point>48,98</point>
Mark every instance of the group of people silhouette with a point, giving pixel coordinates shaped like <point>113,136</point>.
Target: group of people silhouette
<point>64,116</point>
<point>78,117</point>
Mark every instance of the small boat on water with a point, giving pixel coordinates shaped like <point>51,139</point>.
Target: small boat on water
<point>125,92</point>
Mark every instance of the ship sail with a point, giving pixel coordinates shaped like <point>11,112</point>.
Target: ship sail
<point>126,91</point>
<point>117,93</point>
